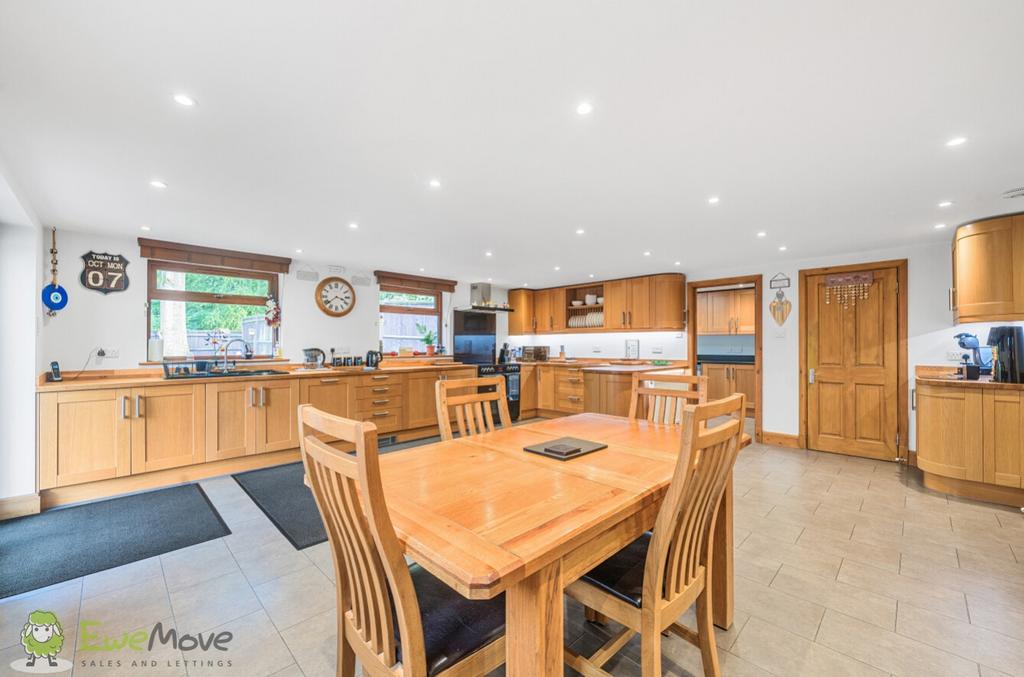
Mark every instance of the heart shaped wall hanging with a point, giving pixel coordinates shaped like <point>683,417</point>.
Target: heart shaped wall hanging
<point>780,307</point>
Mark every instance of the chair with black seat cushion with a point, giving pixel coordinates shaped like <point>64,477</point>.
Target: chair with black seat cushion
<point>648,584</point>
<point>396,618</point>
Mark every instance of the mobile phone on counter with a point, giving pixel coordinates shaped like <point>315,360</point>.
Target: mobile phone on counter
<point>55,371</point>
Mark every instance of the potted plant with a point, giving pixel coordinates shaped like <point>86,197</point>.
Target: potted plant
<point>428,336</point>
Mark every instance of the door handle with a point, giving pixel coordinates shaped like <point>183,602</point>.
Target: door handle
<point>913,399</point>
<point>263,396</point>
<point>379,378</point>
<point>138,406</point>
<point>380,413</point>
<point>380,390</point>
<point>949,298</point>
<point>810,375</point>
<point>124,406</point>
<point>629,314</point>
<point>329,380</point>
<point>252,396</point>
<point>381,401</point>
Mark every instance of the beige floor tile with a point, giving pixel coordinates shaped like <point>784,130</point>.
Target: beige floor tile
<point>784,653</point>
<point>296,596</point>
<point>963,639</point>
<point>725,638</point>
<point>129,608</point>
<point>889,651</point>
<point>320,555</point>
<point>252,533</point>
<point>1005,616</point>
<point>263,563</point>
<point>775,606</point>
<point>122,576</point>
<point>63,599</point>
<point>256,650</point>
<point>214,602</point>
<point>905,589</point>
<point>197,563</point>
<point>292,670</point>
<point>939,552</point>
<point>972,560</point>
<point>829,593</point>
<point>826,543</point>
<point>808,559</point>
<point>772,528</point>
<point>972,582</point>
<point>163,661</point>
<point>314,644</point>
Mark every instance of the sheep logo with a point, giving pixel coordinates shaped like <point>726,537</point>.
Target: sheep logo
<point>43,638</point>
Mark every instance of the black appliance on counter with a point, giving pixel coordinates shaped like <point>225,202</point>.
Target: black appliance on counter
<point>1008,360</point>
<point>373,358</point>
<point>475,343</point>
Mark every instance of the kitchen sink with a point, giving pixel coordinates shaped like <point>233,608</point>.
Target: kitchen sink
<point>225,374</point>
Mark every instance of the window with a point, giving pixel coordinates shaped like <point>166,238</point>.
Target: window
<point>197,309</point>
<point>408,318</point>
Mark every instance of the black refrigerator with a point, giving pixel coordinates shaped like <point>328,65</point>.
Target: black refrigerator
<point>474,337</point>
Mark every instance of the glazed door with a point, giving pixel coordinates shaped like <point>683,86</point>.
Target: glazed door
<point>852,369</point>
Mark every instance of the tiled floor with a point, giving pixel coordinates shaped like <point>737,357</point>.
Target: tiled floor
<point>843,567</point>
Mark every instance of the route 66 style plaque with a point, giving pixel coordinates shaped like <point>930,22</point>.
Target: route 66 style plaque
<point>104,272</point>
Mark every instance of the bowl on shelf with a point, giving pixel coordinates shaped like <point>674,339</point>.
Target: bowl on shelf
<point>577,302</point>
<point>591,299</point>
<point>600,300</point>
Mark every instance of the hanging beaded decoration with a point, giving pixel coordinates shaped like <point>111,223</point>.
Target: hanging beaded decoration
<point>848,288</point>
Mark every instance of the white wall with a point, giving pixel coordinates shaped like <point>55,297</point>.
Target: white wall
<point>665,345</point>
<point>19,301</point>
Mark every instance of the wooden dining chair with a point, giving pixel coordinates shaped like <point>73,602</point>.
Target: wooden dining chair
<point>661,404</point>
<point>472,407</point>
<point>648,584</point>
<point>396,618</point>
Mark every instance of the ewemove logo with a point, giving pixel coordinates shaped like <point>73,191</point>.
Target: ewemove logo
<point>42,638</point>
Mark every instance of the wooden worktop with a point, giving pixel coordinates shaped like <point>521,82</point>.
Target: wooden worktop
<point>628,368</point>
<point>117,378</point>
<point>948,375</point>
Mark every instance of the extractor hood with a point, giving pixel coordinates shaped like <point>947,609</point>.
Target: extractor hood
<point>480,299</point>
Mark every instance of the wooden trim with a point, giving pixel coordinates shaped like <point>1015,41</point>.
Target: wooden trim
<point>209,256</point>
<point>781,439</point>
<point>978,491</point>
<point>691,335</point>
<point>18,506</point>
<point>596,283</point>
<point>902,361</point>
<point>413,283</point>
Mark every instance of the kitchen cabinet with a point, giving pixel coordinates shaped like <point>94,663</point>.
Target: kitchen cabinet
<point>667,294</point>
<point>251,417</point>
<point>527,387</point>
<point>420,400</point>
<point>84,436</point>
<point>729,311</point>
<point>546,387</point>
<point>719,381</point>
<point>745,381</point>
<point>950,432</point>
<point>727,379</point>
<point>168,427</point>
<point>332,394</point>
<point>607,393</point>
<point>1003,420</point>
<point>569,390</point>
<point>988,271</point>
<point>542,319</point>
<point>521,319</point>
<point>627,303</point>
<point>277,417</point>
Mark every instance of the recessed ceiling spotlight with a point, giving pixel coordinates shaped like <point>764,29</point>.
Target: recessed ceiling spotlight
<point>945,203</point>
<point>157,183</point>
<point>762,234</point>
<point>488,253</point>
<point>526,284</point>
<point>422,269</point>
<point>679,263</point>
<point>298,251</point>
<point>957,141</point>
<point>353,225</point>
<point>713,200</point>
<point>782,248</point>
<point>584,108</point>
<point>558,267</point>
<point>647,253</point>
<point>591,275</point>
<point>434,183</point>
<point>490,279</point>
<point>184,100</point>
<point>144,228</point>
<point>580,231</point>
<point>939,226</point>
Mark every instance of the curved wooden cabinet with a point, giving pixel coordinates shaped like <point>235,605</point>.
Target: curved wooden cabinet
<point>988,270</point>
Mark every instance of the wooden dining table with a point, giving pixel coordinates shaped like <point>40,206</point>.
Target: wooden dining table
<point>487,517</point>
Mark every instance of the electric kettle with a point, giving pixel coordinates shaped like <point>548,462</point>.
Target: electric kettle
<point>373,359</point>
<point>313,358</point>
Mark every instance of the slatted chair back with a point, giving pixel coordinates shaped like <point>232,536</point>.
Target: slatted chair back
<point>472,408</point>
<point>680,549</point>
<point>653,401</point>
<point>371,572</point>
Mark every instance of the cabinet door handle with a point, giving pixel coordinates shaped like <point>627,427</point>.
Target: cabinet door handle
<point>380,390</point>
<point>381,401</point>
<point>329,380</point>
<point>252,396</point>
<point>124,406</point>
<point>623,318</point>
<point>263,396</point>
<point>379,378</point>
<point>138,406</point>
<point>380,413</point>
<point>629,315</point>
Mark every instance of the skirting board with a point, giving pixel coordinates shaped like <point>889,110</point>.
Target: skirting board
<point>18,506</point>
<point>781,439</point>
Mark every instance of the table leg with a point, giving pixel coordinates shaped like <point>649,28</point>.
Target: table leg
<point>533,625</point>
<point>721,564</point>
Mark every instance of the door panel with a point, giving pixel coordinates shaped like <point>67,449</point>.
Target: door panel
<point>954,444</point>
<point>84,436</point>
<point>639,310</point>
<point>616,303</point>
<point>542,311</point>
<point>168,427</point>
<point>719,383</point>
<point>1003,420</point>
<point>420,400</point>
<point>277,416</point>
<point>852,405</point>
<point>230,420</point>
<point>745,381</point>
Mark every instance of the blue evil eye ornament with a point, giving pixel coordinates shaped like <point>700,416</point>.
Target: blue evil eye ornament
<point>55,297</point>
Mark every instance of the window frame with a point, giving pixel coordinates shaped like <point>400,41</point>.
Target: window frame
<point>153,293</point>
<point>405,310</point>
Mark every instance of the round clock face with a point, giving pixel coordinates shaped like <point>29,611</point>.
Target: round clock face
<point>335,296</point>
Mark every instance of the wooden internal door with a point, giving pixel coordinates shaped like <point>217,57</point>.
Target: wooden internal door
<point>168,427</point>
<point>852,369</point>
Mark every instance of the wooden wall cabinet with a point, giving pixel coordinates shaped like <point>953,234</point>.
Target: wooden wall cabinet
<point>627,303</point>
<point>521,320</point>
<point>988,270</point>
<point>728,311</point>
<point>543,320</point>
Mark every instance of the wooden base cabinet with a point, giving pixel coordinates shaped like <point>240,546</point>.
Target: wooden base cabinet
<point>84,436</point>
<point>1003,419</point>
<point>607,393</point>
<point>727,379</point>
<point>168,427</point>
<point>251,417</point>
<point>950,432</point>
<point>528,387</point>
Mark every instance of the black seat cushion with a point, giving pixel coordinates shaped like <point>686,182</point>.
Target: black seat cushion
<point>622,574</point>
<point>453,626</point>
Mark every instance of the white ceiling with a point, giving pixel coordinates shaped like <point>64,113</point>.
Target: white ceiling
<point>822,123</point>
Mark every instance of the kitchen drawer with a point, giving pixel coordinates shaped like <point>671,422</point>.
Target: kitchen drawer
<point>386,420</point>
<point>378,403</point>
<point>569,402</point>
<point>379,378</point>
<point>373,392</point>
<point>570,385</point>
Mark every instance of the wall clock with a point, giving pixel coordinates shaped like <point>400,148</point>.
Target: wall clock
<point>335,296</point>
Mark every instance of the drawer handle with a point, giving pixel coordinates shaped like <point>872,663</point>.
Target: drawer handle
<point>379,378</point>
<point>381,401</point>
<point>575,380</point>
<point>381,390</point>
<point>329,380</point>
<point>381,413</point>
<point>573,398</point>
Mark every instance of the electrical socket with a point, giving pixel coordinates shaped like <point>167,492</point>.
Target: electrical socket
<point>954,356</point>
<point>596,349</point>
<point>657,350</point>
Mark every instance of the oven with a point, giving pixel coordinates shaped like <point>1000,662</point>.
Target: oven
<point>511,374</point>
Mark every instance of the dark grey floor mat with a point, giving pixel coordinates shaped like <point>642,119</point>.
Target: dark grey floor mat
<point>281,494</point>
<point>65,543</point>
